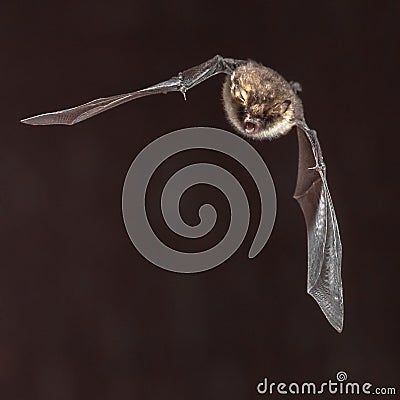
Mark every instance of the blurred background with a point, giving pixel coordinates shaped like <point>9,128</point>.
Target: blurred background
<point>82,314</point>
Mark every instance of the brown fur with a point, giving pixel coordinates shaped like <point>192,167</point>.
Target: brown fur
<point>260,95</point>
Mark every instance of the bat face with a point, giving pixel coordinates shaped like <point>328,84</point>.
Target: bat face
<point>259,102</point>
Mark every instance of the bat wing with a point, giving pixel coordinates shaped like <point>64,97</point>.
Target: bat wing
<point>324,281</point>
<point>182,82</point>
<point>77,114</point>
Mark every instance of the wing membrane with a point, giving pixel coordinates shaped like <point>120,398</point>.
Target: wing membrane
<point>324,282</point>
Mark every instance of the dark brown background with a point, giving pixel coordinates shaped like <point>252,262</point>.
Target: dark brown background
<point>83,315</point>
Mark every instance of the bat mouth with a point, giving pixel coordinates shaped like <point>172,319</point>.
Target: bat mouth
<point>251,126</point>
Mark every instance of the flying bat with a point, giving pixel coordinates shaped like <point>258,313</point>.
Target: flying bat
<point>260,104</point>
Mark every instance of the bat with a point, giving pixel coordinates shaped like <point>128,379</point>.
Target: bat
<point>260,104</point>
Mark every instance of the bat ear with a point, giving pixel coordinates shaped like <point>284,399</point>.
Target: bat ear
<point>281,108</point>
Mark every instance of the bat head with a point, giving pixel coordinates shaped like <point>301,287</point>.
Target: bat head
<point>258,102</point>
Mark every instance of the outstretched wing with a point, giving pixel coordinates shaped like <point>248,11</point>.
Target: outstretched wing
<point>182,82</point>
<point>77,114</point>
<point>324,281</point>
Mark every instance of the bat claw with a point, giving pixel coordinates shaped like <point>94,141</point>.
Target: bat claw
<point>182,88</point>
<point>320,167</point>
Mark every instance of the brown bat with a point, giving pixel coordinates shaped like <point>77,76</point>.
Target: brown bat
<point>260,104</point>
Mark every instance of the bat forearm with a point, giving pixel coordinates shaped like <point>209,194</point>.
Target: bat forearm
<point>316,147</point>
<point>195,75</point>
